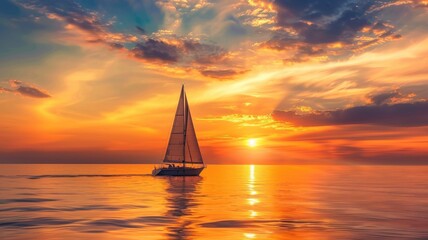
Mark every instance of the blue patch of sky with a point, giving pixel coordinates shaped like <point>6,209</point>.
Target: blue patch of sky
<point>126,15</point>
<point>21,41</point>
<point>194,18</point>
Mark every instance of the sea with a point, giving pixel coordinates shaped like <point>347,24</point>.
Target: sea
<point>47,201</point>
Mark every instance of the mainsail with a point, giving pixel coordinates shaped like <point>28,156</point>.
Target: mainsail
<point>183,145</point>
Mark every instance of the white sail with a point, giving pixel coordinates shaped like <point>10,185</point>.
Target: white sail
<point>175,149</point>
<point>192,151</point>
<point>183,145</point>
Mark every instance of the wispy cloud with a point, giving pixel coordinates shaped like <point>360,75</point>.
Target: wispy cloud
<point>25,89</point>
<point>323,30</point>
<point>398,108</point>
<point>222,73</point>
<point>391,97</point>
<point>236,33</point>
<point>261,121</point>
<point>399,115</point>
<point>80,18</point>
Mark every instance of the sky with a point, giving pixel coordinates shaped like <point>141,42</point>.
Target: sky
<point>268,81</point>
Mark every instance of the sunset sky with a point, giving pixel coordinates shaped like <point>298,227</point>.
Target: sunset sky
<point>268,82</point>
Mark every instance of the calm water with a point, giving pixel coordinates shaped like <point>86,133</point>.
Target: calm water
<point>227,202</point>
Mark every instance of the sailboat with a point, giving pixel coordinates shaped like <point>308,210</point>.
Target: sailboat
<point>183,156</point>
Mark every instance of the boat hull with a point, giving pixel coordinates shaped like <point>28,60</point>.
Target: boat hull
<point>174,171</point>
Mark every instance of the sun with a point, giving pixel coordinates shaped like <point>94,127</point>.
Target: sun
<point>252,142</point>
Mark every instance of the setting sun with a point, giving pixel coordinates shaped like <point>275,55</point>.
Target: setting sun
<point>252,142</point>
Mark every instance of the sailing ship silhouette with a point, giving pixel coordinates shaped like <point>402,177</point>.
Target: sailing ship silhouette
<point>183,156</point>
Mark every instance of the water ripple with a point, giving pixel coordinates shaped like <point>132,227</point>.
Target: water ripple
<point>256,223</point>
<point>109,224</point>
<point>73,176</point>
<point>38,222</point>
<point>26,200</point>
<point>71,209</point>
<point>86,175</point>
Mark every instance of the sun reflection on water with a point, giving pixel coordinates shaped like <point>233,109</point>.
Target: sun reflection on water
<point>253,200</point>
<point>253,213</point>
<point>251,188</point>
<point>250,235</point>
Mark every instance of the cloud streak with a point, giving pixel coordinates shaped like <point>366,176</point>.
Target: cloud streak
<point>25,89</point>
<point>207,59</point>
<point>399,115</point>
<point>78,17</point>
<point>326,29</point>
<point>156,49</point>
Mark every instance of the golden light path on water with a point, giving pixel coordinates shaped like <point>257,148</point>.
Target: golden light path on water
<point>229,202</point>
<point>253,200</point>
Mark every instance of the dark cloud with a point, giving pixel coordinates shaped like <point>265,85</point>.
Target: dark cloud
<point>95,40</point>
<point>221,74</point>
<point>183,51</point>
<point>31,92</point>
<point>74,14</point>
<point>343,29</point>
<point>158,50</point>
<point>392,97</point>
<point>187,53</point>
<point>292,10</point>
<point>204,53</point>
<point>384,97</point>
<point>399,115</point>
<point>70,11</point>
<point>279,42</point>
<point>356,132</point>
<point>116,45</point>
<point>310,50</point>
<point>324,23</point>
<point>305,52</point>
<point>25,89</point>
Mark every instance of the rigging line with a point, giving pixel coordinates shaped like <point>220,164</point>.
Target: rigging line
<point>185,107</point>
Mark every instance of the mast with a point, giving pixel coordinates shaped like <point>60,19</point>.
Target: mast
<point>186,106</point>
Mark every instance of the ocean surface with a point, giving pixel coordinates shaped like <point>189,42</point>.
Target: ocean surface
<point>227,202</point>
